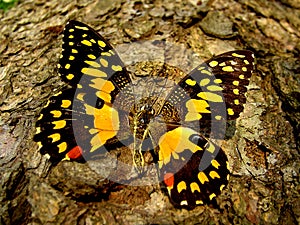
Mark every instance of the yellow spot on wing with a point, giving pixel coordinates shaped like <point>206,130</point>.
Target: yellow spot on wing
<point>70,76</point>
<point>93,72</point>
<point>80,96</point>
<point>67,66</point>
<point>71,30</point>
<point>86,42</point>
<point>105,53</point>
<point>218,81</point>
<point>211,148</point>
<point>196,105</point>
<point>244,69</point>
<point>59,124</point>
<point>204,82</point>
<point>55,137</point>
<point>210,96</point>
<point>236,91</point>
<point>181,186</point>
<point>218,117</point>
<point>213,195</point>
<point>214,174</point>
<point>81,28</point>
<point>103,62</point>
<point>194,187</point>
<point>56,113</point>
<point>238,55</point>
<point>66,103</point>
<point>71,36</point>
<point>62,147</point>
<point>192,116</point>
<point>199,202</point>
<point>101,44</point>
<point>215,163</point>
<point>246,62</point>
<point>71,43</point>
<point>71,57</point>
<point>236,83</point>
<point>213,63</point>
<point>202,177</point>
<point>214,88</point>
<point>93,131</point>
<point>116,68</point>
<point>92,63</point>
<point>74,51</point>
<point>228,69</point>
<point>241,76</point>
<point>230,111</point>
<point>190,82</point>
<point>91,56</point>
<point>206,72</point>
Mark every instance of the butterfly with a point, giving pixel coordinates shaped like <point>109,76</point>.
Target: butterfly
<point>100,108</point>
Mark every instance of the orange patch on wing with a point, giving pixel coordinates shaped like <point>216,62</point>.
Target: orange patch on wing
<point>105,88</point>
<point>174,142</point>
<point>106,122</point>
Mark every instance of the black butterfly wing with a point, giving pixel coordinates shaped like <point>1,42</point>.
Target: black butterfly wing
<point>194,169</point>
<point>84,117</point>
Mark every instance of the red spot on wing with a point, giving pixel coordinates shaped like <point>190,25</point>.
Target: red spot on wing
<point>75,153</point>
<point>169,179</point>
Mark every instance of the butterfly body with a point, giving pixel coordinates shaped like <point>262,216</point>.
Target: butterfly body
<point>102,107</point>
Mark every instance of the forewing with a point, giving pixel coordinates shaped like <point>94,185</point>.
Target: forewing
<point>215,90</point>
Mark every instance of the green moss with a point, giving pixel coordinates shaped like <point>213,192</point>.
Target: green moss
<point>7,4</point>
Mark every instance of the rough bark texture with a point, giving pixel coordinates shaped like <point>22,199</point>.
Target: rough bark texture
<point>263,148</point>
